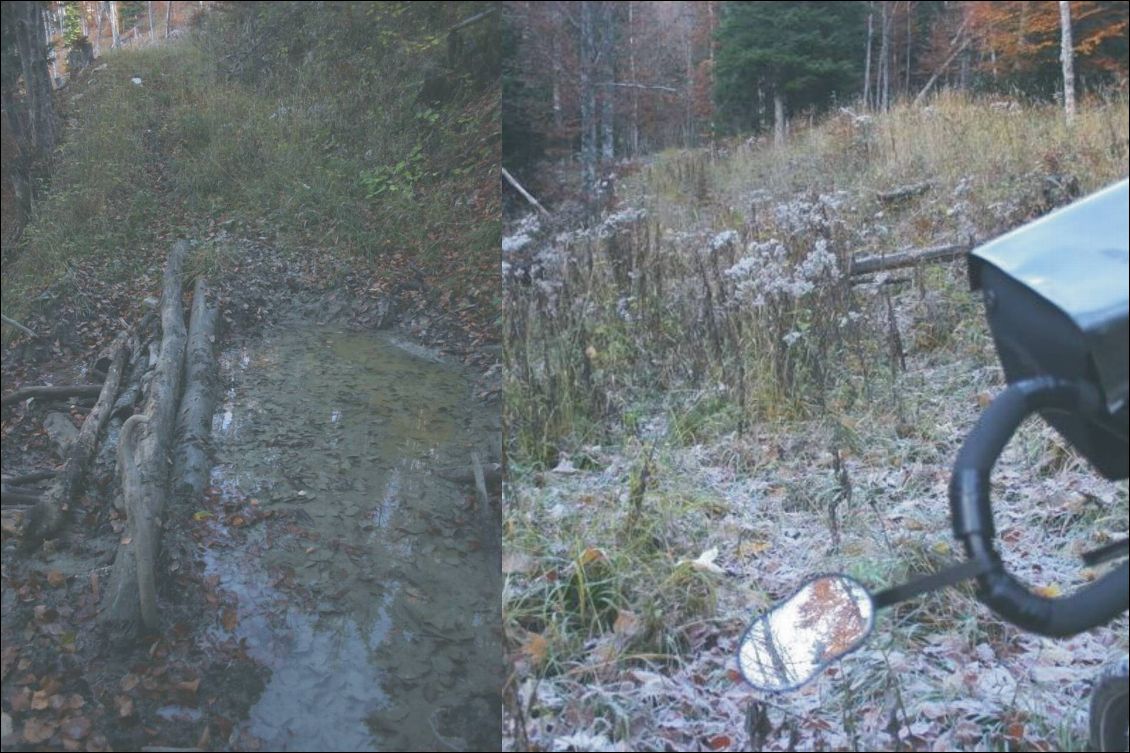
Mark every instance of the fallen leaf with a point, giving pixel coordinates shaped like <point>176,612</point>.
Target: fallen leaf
<point>38,730</point>
<point>627,623</point>
<point>229,618</point>
<point>1050,591</point>
<point>592,554</point>
<point>536,647</point>
<point>56,578</point>
<point>705,562</point>
<point>125,706</point>
<point>720,742</point>
<point>129,682</point>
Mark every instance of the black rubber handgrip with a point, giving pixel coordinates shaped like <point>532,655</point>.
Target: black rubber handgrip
<point>971,509</point>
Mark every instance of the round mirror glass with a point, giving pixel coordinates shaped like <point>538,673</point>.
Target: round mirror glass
<point>828,617</point>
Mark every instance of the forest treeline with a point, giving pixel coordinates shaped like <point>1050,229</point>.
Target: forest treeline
<point>606,80</point>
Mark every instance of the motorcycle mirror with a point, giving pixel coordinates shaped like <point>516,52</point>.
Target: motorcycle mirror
<point>828,617</point>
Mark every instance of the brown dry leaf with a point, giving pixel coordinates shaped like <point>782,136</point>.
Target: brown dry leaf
<point>56,578</point>
<point>188,687</point>
<point>129,682</point>
<point>627,623</point>
<point>229,618</point>
<point>75,701</point>
<point>1050,591</point>
<point>38,730</point>
<point>40,701</point>
<point>753,548</point>
<point>125,706</point>
<point>592,554</point>
<point>536,647</point>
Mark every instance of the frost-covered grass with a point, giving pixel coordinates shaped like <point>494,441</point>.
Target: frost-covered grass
<point>682,378</point>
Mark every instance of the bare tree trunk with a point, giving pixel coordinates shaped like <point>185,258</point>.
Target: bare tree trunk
<point>99,16</point>
<point>867,57</point>
<point>607,93</point>
<point>635,126</point>
<point>50,23</point>
<point>149,8</point>
<point>778,118</point>
<point>143,451</point>
<point>884,92</point>
<point>688,53</point>
<point>558,74</point>
<point>114,28</point>
<point>1067,55</point>
<point>909,47</point>
<point>33,63</point>
<point>168,17</point>
<point>50,513</point>
<point>588,101</point>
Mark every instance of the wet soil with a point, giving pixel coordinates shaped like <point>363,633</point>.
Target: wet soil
<point>366,583</point>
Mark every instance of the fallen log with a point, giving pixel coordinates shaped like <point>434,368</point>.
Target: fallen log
<point>29,478</point>
<point>143,450</point>
<point>904,192</point>
<point>194,419</point>
<point>10,497</point>
<point>51,511</point>
<point>52,393</point>
<point>867,264</point>
<point>525,194</point>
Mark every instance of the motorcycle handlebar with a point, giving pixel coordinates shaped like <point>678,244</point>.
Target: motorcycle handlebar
<point>971,509</point>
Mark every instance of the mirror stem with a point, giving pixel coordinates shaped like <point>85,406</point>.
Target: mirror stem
<point>948,577</point>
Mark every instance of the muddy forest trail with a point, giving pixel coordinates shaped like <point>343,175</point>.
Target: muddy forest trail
<point>325,544</point>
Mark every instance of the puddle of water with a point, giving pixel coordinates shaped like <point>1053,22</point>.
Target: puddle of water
<point>372,592</point>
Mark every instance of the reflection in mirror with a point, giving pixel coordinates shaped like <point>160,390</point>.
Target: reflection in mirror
<point>828,617</point>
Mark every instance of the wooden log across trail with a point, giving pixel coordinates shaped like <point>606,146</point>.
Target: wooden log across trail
<point>52,393</point>
<point>867,264</point>
<point>51,510</point>
<point>12,496</point>
<point>143,451</point>
<point>30,478</point>
<point>194,419</point>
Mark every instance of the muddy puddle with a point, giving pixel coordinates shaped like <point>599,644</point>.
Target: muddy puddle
<point>365,582</point>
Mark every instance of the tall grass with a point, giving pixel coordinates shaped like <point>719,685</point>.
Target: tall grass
<point>722,281</point>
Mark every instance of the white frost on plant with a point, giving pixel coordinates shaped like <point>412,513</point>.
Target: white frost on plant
<point>513,243</point>
<point>723,239</point>
<point>766,272</point>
